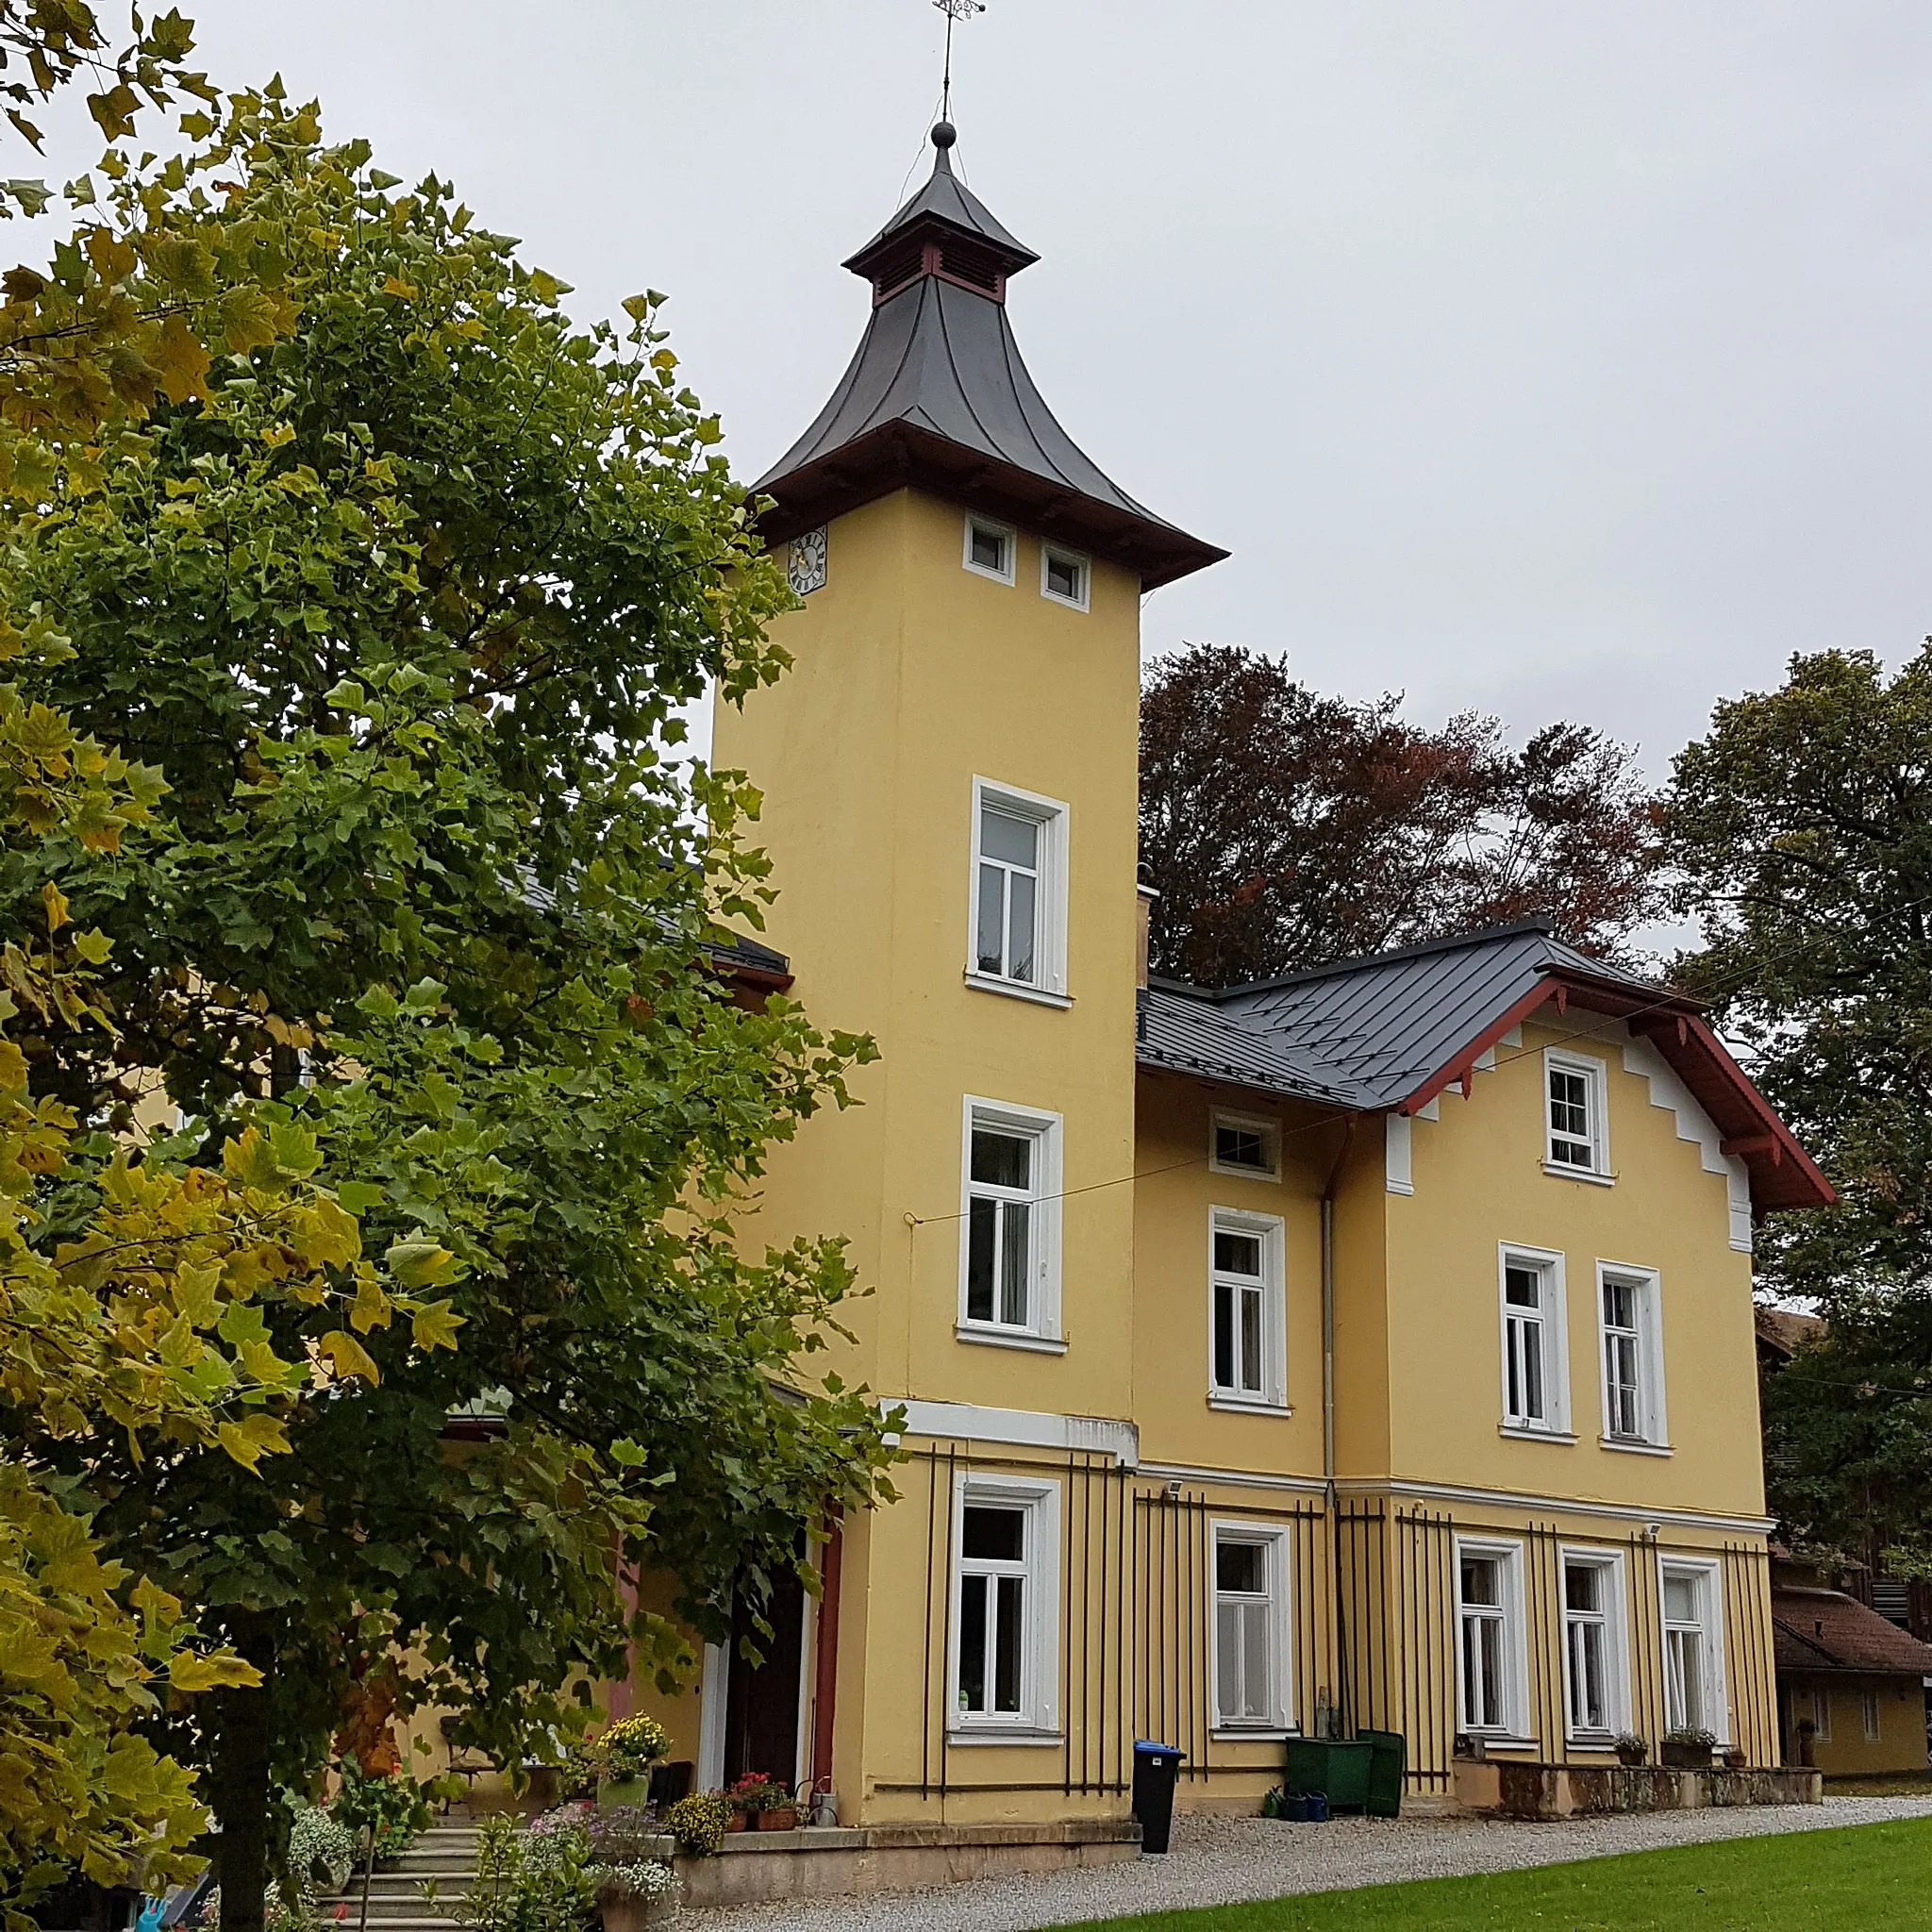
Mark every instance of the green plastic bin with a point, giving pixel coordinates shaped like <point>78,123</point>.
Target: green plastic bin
<point>1338,1768</point>
<point>1388,1759</point>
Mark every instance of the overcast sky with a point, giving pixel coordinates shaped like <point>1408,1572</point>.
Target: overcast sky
<point>1551,360</point>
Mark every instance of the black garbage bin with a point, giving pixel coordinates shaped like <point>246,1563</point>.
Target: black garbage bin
<point>1155,1766</point>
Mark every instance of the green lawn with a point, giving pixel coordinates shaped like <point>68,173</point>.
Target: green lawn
<point>1872,1877</point>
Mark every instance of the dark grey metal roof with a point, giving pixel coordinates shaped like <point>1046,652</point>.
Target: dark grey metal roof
<point>938,395</point>
<point>1373,1030</point>
<point>945,198</point>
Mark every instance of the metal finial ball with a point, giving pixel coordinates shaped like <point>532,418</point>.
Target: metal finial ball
<point>944,134</point>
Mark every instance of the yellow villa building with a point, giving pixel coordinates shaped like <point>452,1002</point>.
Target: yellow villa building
<point>1370,1349</point>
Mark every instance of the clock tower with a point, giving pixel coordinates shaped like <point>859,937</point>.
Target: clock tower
<point>950,805</point>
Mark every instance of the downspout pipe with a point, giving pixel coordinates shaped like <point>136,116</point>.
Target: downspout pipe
<point>1330,1502</point>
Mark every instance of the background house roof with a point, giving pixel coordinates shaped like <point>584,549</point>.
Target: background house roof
<point>1826,1630</point>
<point>1393,1030</point>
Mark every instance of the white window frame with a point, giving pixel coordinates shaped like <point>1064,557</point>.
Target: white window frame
<point>1036,1720</point>
<point>1083,576</point>
<point>1270,1132</point>
<point>1048,986</point>
<point>1874,1719</point>
<point>1515,1640</point>
<point>1273,1539</point>
<point>1711,1622</point>
<point>1041,1329</point>
<point>1596,1074</point>
<point>1272,1398</point>
<point>1614,1616</point>
<point>1555,1333</point>
<point>992,529</point>
<point>1814,1704</point>
<point>1654,1431</point>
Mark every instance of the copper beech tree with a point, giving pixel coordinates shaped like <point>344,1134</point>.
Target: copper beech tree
<point>1284,829</point>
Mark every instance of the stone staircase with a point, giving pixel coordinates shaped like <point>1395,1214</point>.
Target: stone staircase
<point>445,1852</point>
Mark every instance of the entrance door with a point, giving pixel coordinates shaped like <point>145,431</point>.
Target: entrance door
<point>762,1705</point>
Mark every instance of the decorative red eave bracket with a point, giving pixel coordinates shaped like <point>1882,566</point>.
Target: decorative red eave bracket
<point>1460,1071</point>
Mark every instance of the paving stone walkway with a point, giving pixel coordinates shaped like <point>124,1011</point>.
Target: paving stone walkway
<point>1225,1861</point>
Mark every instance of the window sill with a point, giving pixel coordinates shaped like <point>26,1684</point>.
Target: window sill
<point>1559,1171</point>
<point>1625,1446</point>
<point>1235,1404</point>
<point>990,1735</point>
<point>1253,1734</point>
<point>1504,1741</point>
<point>1604,1742</point>
<point>1015,990</point>
<point>994,1338</point>
<point>1246,1174</point>
<point>1521,1432</point>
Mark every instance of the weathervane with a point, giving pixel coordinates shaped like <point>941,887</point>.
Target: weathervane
<point>953,10</point>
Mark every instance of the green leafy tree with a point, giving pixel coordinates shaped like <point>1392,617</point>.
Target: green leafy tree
<point>1802,825</point>
<point>401,600</point>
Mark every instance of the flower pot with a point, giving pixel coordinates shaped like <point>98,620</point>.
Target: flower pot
<point>783,1818</point>
<point>737,1822</point>
<point>1734,1761</point>
<point>1678,1756</point>
<point>613,1791</point>
<point>1634,1759</point>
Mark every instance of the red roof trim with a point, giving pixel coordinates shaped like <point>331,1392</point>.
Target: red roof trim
<point>1782,1174</point>
<point>1459,1069</point>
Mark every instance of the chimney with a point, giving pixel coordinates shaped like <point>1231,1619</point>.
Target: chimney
<point>1143,923</point>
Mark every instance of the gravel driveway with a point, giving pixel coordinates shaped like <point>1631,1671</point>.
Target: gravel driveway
<point>1220,1860</point>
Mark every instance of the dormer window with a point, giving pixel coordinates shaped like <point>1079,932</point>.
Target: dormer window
<point>990,549</point>
<point>1063,577</point>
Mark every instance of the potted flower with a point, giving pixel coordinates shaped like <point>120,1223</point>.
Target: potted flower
<point>1631,1749</point>
<point>1687,1748</point>
<point>626,1754</point>
<point>699,1823</point>
<point>767,1805</point>
<point>1734,1759</point>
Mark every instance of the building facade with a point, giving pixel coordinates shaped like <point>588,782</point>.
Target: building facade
<point>1369,1350</point>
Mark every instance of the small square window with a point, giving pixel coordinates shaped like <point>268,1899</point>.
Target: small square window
<point>990,549</point>
<point>1239,1144</point>
<point>1063,577</point>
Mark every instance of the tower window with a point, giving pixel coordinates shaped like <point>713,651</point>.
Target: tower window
<point>1018,914</point>
<point>1063,577</point>
<point>1010,1232</point>
<point>990,549</point>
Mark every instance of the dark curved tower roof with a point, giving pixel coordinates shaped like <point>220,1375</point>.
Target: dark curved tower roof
<point>938,396</point>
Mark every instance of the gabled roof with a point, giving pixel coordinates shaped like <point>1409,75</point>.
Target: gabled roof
<point>939,396</point>
<point>1390,1032</point>
<point>1826,1630</point>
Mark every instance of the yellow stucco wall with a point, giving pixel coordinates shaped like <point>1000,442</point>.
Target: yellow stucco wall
<point>912,675</point>
<point>1480,1182</point>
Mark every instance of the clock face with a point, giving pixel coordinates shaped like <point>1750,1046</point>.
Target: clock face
<point>804,570</point>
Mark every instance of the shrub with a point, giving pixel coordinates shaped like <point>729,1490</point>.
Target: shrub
<point>697,1823</point>
<point>395,1808</point>
<point>528,1881</point>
